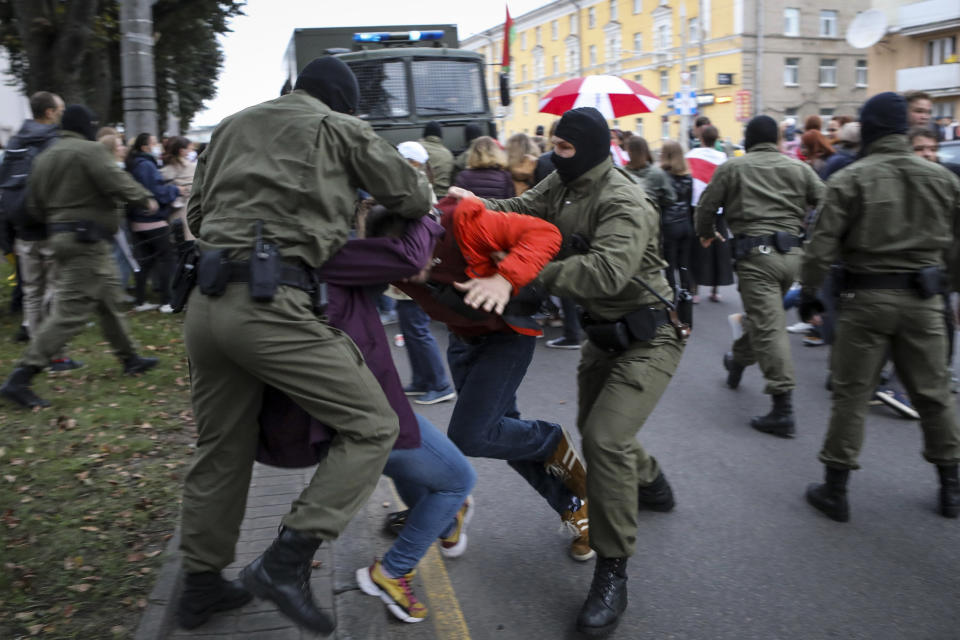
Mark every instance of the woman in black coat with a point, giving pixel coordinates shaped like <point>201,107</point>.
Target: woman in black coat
<point>676,219</point>
<point>486,175</point>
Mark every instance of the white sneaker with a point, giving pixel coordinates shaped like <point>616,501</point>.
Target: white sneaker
<point>166,309</point>
<point>146,306</point>
<point>800,327</point>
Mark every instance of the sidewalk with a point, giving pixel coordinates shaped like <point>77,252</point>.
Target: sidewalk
<point>358,616</point>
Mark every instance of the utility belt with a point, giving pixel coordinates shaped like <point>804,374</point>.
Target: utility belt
<point>637,326</point>
<point>85,231</point>
<point>781,241</point>
<point>212,271</point>
<point>927,282</point>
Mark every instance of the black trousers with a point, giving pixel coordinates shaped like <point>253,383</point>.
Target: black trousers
<point>154,252</point>
<point>677,247</point>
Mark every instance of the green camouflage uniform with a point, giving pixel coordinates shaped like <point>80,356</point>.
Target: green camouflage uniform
<point>295,165</point>
<point>890,212</point>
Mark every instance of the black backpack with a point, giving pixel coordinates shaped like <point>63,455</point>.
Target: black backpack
<point>14,172</point>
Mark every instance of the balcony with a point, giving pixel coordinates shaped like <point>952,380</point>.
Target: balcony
<point>927,16</point>
<point>943,79</point>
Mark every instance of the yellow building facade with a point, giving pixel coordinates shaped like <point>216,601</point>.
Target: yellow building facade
<point>663,47</point>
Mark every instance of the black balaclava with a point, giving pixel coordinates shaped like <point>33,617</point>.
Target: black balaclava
<point>760,129</point>
<point>586,129</point>
<point>330,81</point>
<point>471,132</point>
<point>882,115</point>
<point>433,129</point>
<point>79,119</point>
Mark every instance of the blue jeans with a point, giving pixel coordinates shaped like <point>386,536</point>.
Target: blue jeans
<point>433,480</point>
<point>485,423</point>
<point>422,350</point>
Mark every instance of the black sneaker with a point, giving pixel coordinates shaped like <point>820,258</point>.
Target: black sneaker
<point>135,364</point>
<point>563,343</point>
<point>65,364</point>
<point>22,335</point>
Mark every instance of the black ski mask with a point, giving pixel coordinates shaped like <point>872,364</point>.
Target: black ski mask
<point>760,129</point>
<point>79,119</point>
<point>882,115</point>
<point>331,81</point>
<point>587,130</point>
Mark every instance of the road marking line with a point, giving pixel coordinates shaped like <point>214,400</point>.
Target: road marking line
<point>448,620</point>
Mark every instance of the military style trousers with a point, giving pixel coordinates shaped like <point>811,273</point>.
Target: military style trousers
<point>86,282</point>
<point>870,322</point>
<point>37,272</point>
<point>236,346</point>
<point>616,394</point>
<point>763,280</point>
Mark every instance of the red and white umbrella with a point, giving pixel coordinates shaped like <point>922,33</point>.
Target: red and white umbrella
<point>612,96</point>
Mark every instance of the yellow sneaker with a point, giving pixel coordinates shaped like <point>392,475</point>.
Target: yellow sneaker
<point>578,523</point>
<point>454,545</point>
<point>565,463</point>
<point>396,593</point>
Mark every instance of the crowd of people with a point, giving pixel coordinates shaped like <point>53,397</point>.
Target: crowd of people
<point>290,249</point>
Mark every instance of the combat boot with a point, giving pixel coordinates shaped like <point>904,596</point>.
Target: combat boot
<point>135,364</point>
<point>734,370</point>
<point>949,490</point>
<point>565,463</point>
<point>656,496</point>
<point>17,388</point>
<point>206,593</point>
<point>282,574</point>
<point>607,599</point>
<point>779,422</point>
<point>831,497</point>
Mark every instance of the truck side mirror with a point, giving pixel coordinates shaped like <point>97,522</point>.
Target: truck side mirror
<point>505,89</point>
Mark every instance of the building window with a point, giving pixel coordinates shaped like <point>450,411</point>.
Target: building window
<point>664,82</point>
<point>860,78</point>
<point>828,72</point>
<point>523,41</point>
<point>591,18</point>
<point>665,127</point>
<point>637,43</point>
<point>638,127</point>
<point>613,10</point>
<point>826,114</point>
<point>694,76</point>
<point>790,112</point>
<point>593,54</point>
<point>663,37</point>
<point>523,73</point>
<point>573,23</point>
<point>538,65</point>
<point>791,22</point>
<point>791,72</point>
<point>572,63</point>
<point>637,6</point>
<point>526,110</point>
<point>694,29</point>
<point>536,36</point>
<point>940,50</point>
<point>828,23</point>
<point>554,30</point>
<point>613,48</point>
<point>556,65</point>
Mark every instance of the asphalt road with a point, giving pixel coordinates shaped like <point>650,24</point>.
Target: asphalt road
<point>743,556</point>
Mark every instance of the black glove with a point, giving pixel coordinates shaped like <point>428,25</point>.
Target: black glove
<point>810,305</point>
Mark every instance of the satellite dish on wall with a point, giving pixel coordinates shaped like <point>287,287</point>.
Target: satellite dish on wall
<point>867,29</point>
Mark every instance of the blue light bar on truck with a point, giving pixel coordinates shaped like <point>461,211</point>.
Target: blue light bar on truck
<point>397,36</point>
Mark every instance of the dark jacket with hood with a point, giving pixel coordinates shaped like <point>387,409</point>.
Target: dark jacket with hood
<point>42,136</point>
<point>146,171</point>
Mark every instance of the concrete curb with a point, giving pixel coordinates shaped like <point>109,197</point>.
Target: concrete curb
<point>157,620</point>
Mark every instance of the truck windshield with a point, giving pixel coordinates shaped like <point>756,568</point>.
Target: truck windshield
<point>383,89</point>
<point>447,86</point>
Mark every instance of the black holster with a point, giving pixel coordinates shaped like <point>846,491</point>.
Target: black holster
<point>184,278</point>
<point>637,326</point>
<point>931,281</point>
<point>213,272</point>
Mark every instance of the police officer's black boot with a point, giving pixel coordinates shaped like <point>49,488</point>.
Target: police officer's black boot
<point>135,364</point>
<point>831,497</point>
<point>656,496</point>
<point>204,594</point>
<point>949,490</point>
<point>734,370</point>
<point>607,599</point>
<point>779,421</point>
<point>17,388</point>
<point>282,574</point>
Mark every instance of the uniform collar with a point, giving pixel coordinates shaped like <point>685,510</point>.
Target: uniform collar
<point>73,134</point>
<point>763,146</point>
<point>895,143</point>
<point>586,181</point>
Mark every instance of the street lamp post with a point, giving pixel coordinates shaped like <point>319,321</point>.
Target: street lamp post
<point>136,67</point>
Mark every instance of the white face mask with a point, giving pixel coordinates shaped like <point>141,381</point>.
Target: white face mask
<point>192,156</point>
<point>156,150</point>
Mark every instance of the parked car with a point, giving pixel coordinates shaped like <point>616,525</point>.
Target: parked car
<point>950,151</point>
